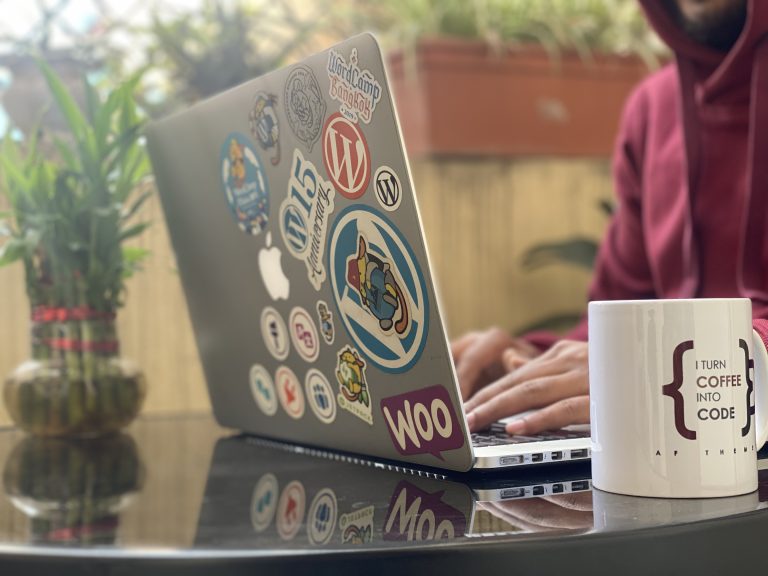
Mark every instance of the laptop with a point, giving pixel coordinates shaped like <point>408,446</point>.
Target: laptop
<point>291,209</point>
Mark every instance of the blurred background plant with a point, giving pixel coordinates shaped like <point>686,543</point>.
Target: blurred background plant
<point>69,218</point>
<point>191,49</point>
<point>578,251</point>
<point>195,48</point>
<point>586,27</point>
<point>217,45</point>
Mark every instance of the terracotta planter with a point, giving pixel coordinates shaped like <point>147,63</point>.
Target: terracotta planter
<point>462,97</point>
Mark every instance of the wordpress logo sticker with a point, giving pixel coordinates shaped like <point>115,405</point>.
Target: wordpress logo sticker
<point>294,228</point>
<point>378,289</point>
<point>388,188</point>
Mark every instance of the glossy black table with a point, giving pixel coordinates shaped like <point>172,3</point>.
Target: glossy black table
<point>182,496</point>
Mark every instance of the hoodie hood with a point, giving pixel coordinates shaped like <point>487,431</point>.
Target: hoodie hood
<point>729,88</point>
<point>718,72</point>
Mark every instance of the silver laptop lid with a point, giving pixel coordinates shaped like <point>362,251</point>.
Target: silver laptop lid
<point>290,206</point>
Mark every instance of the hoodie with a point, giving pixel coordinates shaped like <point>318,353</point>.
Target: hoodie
<point>691,175</point>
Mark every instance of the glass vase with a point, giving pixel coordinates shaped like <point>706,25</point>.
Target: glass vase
<point>75,384</point>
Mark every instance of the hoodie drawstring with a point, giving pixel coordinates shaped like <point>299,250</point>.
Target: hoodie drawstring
<point>753,281</point>
<point>690,285</point>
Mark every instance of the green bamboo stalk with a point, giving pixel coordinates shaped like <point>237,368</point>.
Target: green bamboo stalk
<point>88,357</point>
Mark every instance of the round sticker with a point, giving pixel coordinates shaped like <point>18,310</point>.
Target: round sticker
<point>290,510</point>
<point>304,334</point>
<point>275,333</point>
<point>378,289</point>
<point>320,396</point>
<point>289,392</point>
<point>388,188</point>
<point>263,390</point>
<point>321,521</point>
<point>245,183</point>
<point>346,156</point>
<point>304,105</point>
<point>264,502</point>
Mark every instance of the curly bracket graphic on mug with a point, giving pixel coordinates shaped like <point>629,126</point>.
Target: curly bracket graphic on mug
<point>712,375</point>
<point>749,364</point>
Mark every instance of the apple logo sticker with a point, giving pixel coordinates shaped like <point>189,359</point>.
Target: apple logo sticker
<point>271,268</point>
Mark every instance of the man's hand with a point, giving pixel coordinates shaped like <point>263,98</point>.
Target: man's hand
<point>558,512</point>
<point>555,384</point>
<point>484,357</point>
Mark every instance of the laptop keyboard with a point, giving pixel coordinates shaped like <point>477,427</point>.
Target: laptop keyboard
<point>496,435</point>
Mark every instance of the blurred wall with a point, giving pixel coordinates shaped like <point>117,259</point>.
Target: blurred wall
<point>480,216</point>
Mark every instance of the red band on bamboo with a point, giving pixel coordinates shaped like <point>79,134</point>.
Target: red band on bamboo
<point>67,534</point>
<point>53,314</point>
<point>82,345</point>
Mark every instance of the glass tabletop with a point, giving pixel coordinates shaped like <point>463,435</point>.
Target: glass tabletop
<point>184,486</point>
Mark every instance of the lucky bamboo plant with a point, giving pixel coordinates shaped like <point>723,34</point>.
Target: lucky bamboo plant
<point>73,201</point>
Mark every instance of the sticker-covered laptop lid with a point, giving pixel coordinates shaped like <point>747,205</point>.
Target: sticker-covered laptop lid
<point>291,210</point>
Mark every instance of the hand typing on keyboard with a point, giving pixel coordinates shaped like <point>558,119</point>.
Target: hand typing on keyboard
<point>554,385</point>
<point>497,435</point>
<point>565,511</point>
<point>483,357</point>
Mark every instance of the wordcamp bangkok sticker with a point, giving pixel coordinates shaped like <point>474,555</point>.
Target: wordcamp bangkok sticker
<point>355,88</point>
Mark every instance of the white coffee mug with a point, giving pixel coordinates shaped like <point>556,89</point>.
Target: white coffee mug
<point>676,408</point>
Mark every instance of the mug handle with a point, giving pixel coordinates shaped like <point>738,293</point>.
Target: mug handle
<point>761,389</point>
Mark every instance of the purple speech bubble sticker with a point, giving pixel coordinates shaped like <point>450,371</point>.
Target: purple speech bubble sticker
<point>422,422</point>
<point>418,515</point>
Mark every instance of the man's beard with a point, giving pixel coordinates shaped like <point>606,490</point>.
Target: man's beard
<point>717,30</point>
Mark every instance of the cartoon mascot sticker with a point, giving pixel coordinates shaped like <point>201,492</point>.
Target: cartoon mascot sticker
<point>379,290</point>
<point>353,389</point>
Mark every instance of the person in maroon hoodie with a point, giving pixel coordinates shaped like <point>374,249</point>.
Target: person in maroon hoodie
<point>691,175</point>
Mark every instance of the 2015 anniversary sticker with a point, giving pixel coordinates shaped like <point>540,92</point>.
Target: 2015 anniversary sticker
<point>304,216</point>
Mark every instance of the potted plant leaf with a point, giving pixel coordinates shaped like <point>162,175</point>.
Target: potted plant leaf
<point>73,200</point>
